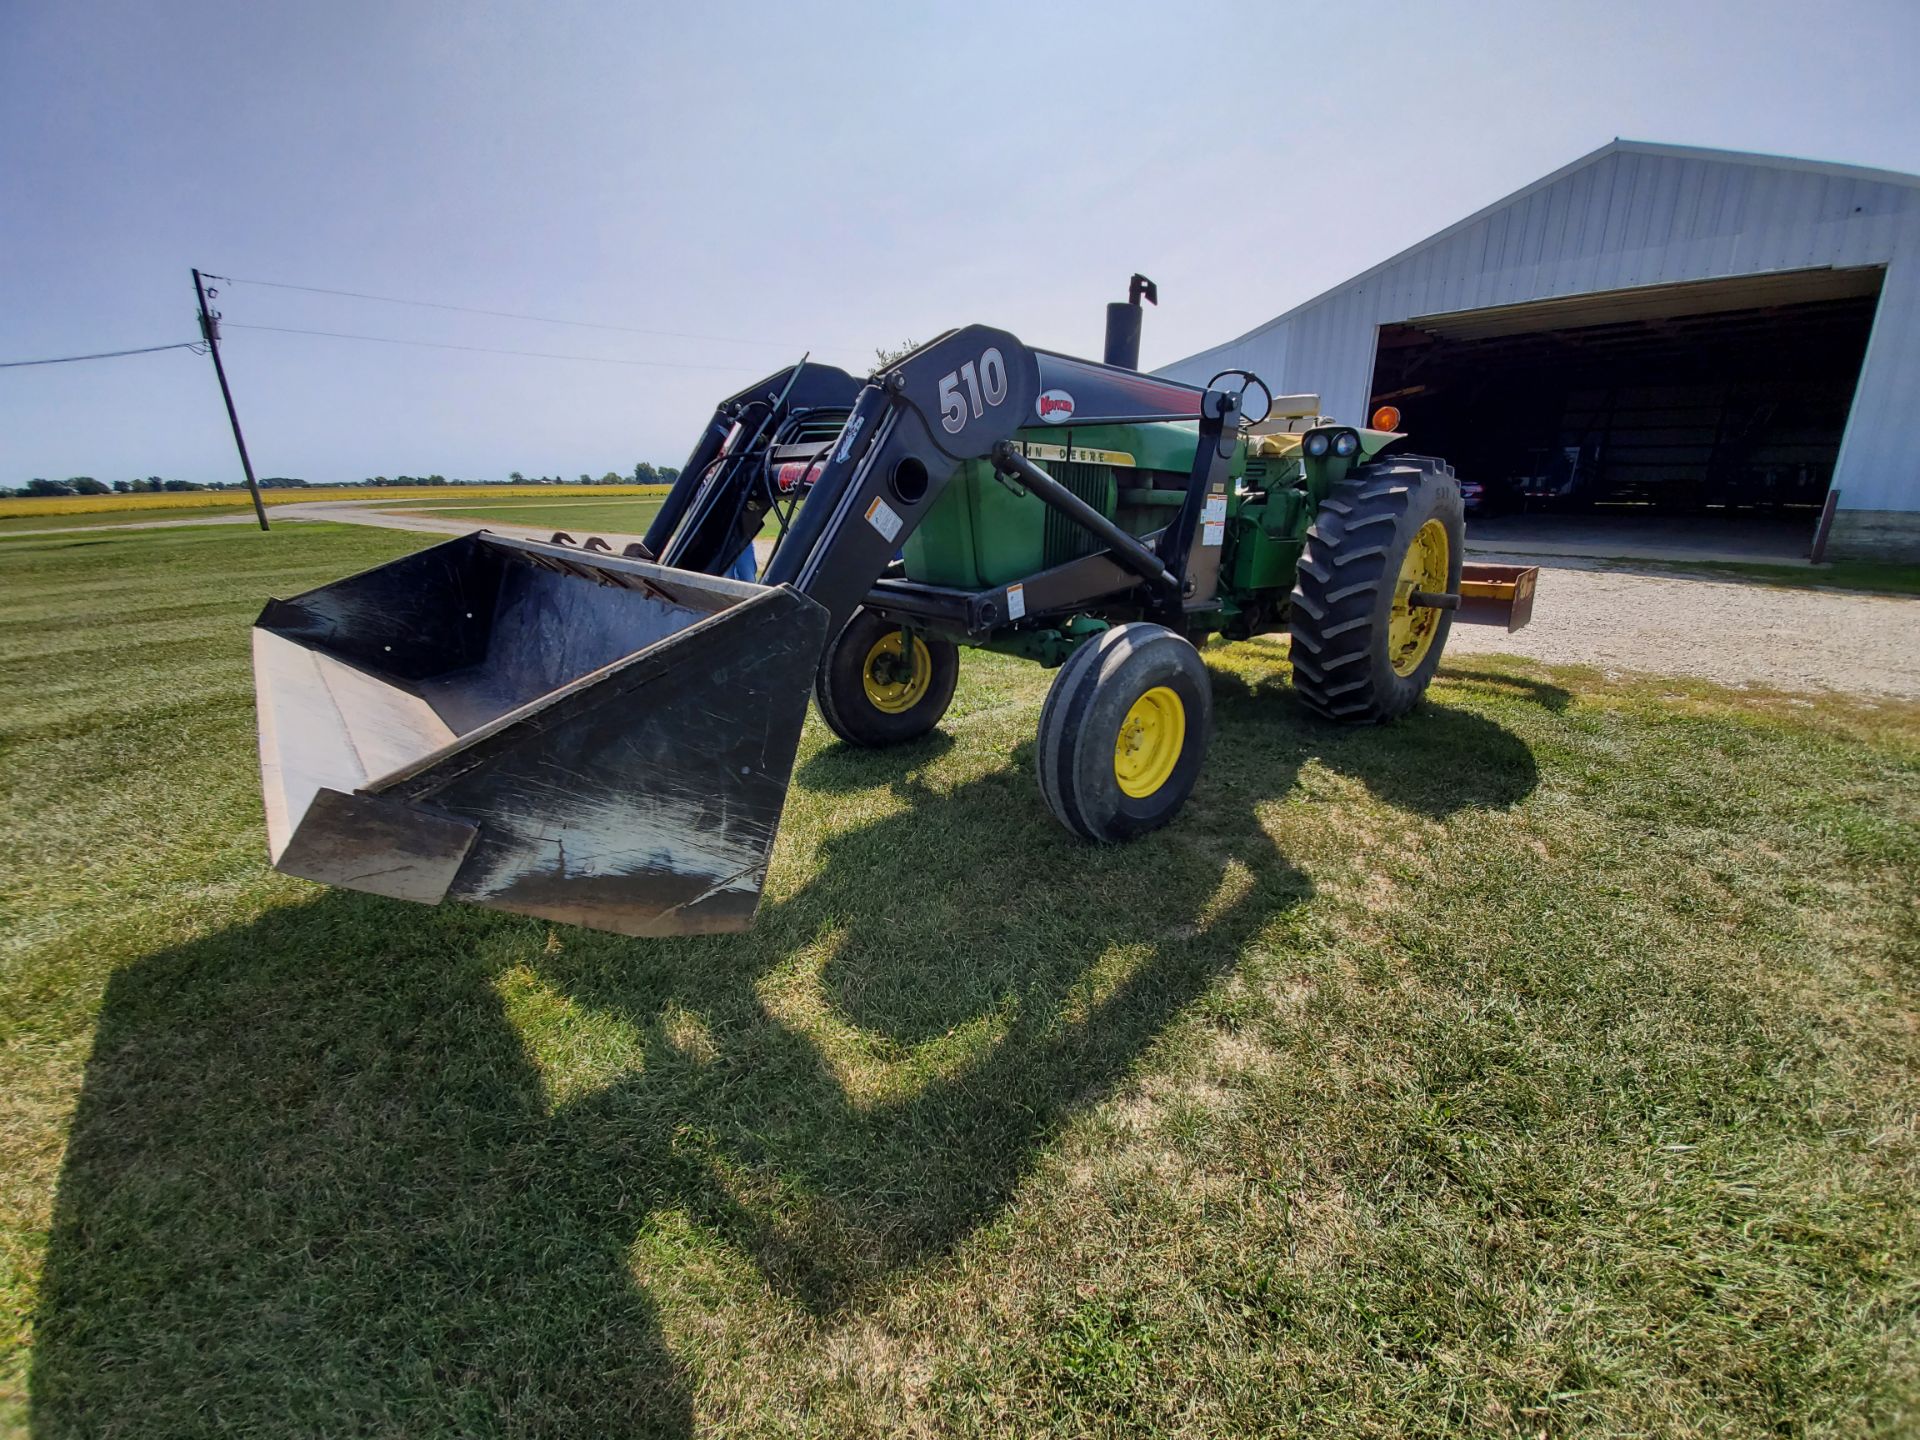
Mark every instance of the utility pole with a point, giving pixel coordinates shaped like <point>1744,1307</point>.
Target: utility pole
<point>210,332</point>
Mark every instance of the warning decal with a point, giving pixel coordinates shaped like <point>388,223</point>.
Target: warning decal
<point>1016,601</point>
<point>883,518</point>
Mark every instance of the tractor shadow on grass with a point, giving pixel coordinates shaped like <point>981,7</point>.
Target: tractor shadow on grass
<point>310,1189</point>
<point>1544,693</point>
<point>981,977</point>
<point>883,1058</point>
<point>1435,761</point>
<point>356,1166</point>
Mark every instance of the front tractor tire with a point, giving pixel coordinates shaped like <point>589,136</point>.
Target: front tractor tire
<point>879,686</point>
<point>1124,731</point>
<point>1361,653</point>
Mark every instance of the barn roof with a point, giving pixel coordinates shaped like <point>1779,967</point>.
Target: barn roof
<point>1612,147</point>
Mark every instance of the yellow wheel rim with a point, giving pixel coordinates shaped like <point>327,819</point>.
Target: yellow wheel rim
<point>895,684</point>
<point>1149,743</point>
<point>1410,630</point>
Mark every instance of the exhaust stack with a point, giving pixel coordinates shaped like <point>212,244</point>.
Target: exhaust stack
<point>1123,323</point>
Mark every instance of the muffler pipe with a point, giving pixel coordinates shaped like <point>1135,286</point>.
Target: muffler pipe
<point>1123,323</point>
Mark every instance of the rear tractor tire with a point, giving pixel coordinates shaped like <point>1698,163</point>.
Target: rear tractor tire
<point>878,687</point>
<point>1124,732</point>
<point>1361,653</point>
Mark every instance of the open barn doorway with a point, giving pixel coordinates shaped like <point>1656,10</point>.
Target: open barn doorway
<point>1702,417</point>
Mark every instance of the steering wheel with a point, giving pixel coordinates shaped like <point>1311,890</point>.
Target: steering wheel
<point>1251,379</point>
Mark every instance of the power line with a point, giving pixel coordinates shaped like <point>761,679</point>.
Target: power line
<point>485,349</point>
<point>102,355</point>
<point>502,314</point>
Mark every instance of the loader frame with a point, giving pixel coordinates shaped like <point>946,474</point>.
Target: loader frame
<point>907,431</point>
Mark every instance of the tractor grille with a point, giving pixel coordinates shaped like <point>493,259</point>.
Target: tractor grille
<point>817,427</point>
<point>1065,540</point>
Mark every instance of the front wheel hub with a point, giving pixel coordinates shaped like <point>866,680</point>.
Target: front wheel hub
<point>896,677</point>
<point>1411,627</point>
<point>1150,741</point>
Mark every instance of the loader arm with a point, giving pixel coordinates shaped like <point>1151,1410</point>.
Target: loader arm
<point>960,397</point>
<point>721,498</point>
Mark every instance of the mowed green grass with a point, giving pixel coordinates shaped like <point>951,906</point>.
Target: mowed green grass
<point>11,525</point>
<point>1867,575</point>
<point>1543,1064</point>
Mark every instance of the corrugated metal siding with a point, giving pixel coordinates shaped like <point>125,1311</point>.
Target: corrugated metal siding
<point>1636,215</point>
<point>1879,464</point>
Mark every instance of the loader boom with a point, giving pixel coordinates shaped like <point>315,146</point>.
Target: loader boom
<point>956,399</point>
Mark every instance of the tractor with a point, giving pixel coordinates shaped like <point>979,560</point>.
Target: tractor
<point>606,738</point>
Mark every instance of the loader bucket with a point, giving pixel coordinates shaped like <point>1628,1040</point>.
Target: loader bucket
<point>563,733</point>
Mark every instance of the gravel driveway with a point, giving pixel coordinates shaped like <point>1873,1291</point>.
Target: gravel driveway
<point>1727,631</point>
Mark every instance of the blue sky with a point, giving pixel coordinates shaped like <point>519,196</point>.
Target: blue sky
<point>777,177</point>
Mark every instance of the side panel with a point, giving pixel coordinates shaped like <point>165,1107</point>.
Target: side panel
<point>1264,541</point>
<point>978,534</point>
<point>981,533</point>
<point>941,551</point>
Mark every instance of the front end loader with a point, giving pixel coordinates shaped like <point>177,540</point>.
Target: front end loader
<point>606,739</point>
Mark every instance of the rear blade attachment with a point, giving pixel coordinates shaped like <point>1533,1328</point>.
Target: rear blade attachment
<point>1496,595</point>
<point>584,737</point>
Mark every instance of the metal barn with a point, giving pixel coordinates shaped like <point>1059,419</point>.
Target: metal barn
<point>1668,335</point>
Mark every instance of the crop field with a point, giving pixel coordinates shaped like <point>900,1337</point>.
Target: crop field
<point>1543,1064</point>
<point>52,508</point>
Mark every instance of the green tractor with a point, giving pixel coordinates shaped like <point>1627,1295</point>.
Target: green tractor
<point>607,738</point>
<point>1357,556</point>
<point>1326,532</point>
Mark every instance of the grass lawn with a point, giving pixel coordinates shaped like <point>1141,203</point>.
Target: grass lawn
<point>1544,1064</point>
<point>27,524</point>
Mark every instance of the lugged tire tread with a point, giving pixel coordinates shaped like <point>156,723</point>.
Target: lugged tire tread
<point>1333,623</point>
<point>1353,557</point>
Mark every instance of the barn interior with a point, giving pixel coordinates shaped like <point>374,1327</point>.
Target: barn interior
<point>1676,410</point>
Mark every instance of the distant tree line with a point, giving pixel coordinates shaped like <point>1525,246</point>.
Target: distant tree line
<point>87,485</point>
<point>643,474</point>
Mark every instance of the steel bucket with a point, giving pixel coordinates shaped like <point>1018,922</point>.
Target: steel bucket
<point>557,732</point>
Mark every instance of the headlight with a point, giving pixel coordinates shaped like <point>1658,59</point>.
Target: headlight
<point>1345,443</point>
<point>1316,443</point>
